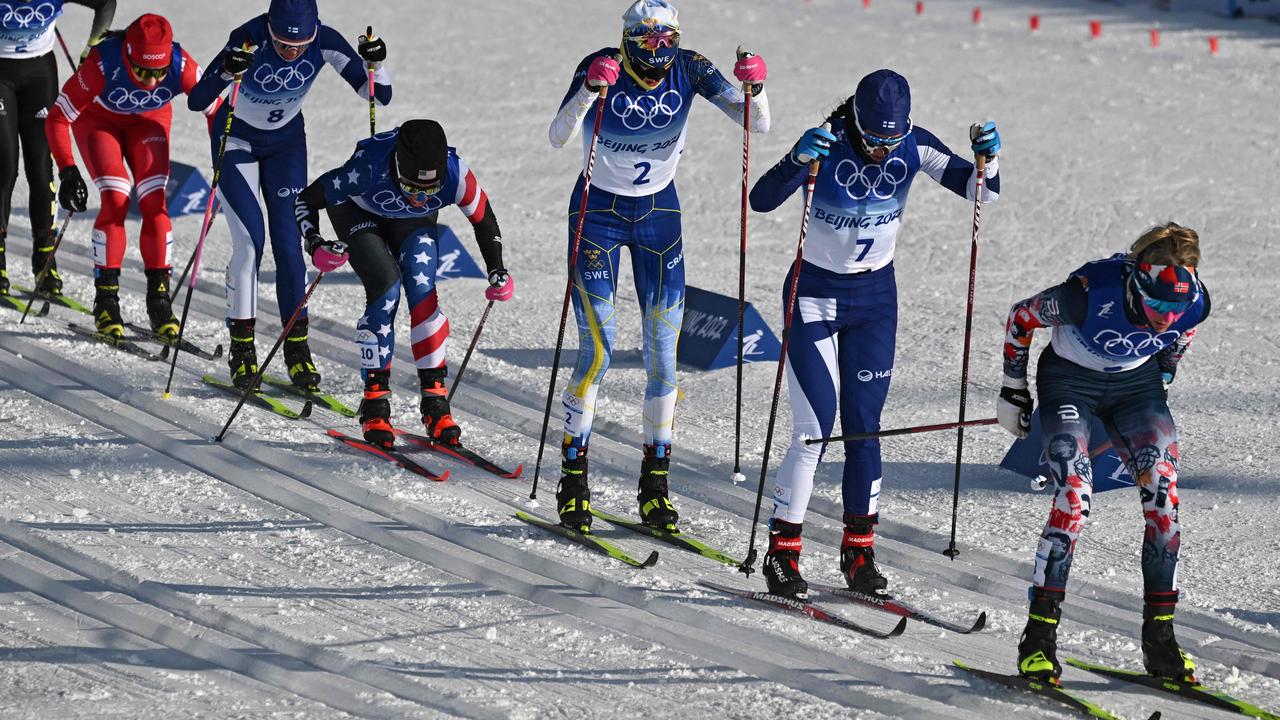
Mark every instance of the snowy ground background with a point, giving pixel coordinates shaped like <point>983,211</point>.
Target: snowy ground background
<point>149,572</point>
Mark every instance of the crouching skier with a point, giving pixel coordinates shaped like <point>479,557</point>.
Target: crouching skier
<point>383,205</point>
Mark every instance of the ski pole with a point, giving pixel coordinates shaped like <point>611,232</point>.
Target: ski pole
<point>65,51</point>
<point>568,288</point>
<point>980,168</point>
<point>900,431</point>
<point>457,379</point>
<point>746,566</point>
<point>262,369</point>
<point>742,277</point>
<point>48,263</point>
<point>373,113</point>
<point>177,287</point>
<point>194,262</point>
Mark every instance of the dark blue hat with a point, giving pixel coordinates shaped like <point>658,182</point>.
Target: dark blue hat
<point>883,103</point>
<point>293,20</point>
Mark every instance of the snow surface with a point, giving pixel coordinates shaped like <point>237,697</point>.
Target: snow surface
<point>149,572</point>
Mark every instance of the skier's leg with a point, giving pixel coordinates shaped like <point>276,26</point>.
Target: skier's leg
<point>429,327</point>
<point>284,175</point>
<point>238,192</point>
<point>102,145</point>
<point>148,156</point>
<point>9,153</point>
<point>37,92</point>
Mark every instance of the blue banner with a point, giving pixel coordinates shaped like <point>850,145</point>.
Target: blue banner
<point>1026,457</point>
<point>454,260</point>
<point>186,192</point>
<point>709,333</point>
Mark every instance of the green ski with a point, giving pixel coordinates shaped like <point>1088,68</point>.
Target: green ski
<point>60,299</point>
<point>589,540</point>
<point>265,402</point>
<point>1046,690</point>
<point>1189,690</point>
<point>10,301</point>
<point>328,401</point>
<point>676,538</point>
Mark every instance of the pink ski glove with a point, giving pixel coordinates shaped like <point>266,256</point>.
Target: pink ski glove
<point>501,286</point>
<point>750,69</point>
<point>603,71</point>
<point>328,256</point>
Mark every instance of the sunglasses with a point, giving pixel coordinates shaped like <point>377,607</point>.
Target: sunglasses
<point>419,194</point>
<point>145,73</point>
<point>1164,307</point>
<point>286,48</point>
<point>871,141</point>
<point>656,40</point>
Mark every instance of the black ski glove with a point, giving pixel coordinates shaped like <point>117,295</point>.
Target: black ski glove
<point>73,195</point>
<point>236,61</point>
<point>371,49</point>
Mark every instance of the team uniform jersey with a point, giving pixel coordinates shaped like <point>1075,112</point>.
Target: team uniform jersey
<point>642,133</point>
<point>1098,324</point>
<point>27,28</point>
<point>858,205</point>
<point>273,90</point>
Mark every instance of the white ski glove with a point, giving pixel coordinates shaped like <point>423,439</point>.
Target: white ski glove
<point>1013,407</point>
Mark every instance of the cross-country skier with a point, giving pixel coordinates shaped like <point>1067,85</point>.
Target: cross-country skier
<point>383,204</point>
<point>633,203</point>
<point>278,55</point>
<point>845,318</point>
<point>117,104</point>
<point>28,86</point>
<point>1110,318</point>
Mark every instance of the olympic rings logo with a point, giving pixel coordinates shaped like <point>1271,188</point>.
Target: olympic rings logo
<point>26,16</point>
<point>1138,344</point>
<point>647,109</point>
<point>882,181</point>
<point>391,201</point>
<point>126,100</point>
<point>288,77</point>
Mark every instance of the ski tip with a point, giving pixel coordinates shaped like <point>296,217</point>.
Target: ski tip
<point>217,351</point>
<point>442,476</point>
<point>164,353</point>
<point>515,474</point>
<point>980,623</point>
<point>961,664</point>
<point>898,629</point>
<point>649,561</point>
<point>306,410</point>
<point>1155,716</point>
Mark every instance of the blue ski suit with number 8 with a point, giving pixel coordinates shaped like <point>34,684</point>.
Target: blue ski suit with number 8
<point>633,203</point>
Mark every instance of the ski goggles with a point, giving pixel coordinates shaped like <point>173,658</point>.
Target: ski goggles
<point>146,73</point>
<point>1167,307</point>
<point>419,194</point>
<point>871,141</point>
<point>655,39</point>
<point>285,47</point>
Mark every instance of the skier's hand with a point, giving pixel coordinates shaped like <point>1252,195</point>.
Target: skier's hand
<point>1013,408</point>
<point>501,286</point>
<point>236,61</point>
<point>814,144</point>
<point>603,72</point>
<point>985,138</point>
<point>371,49</point>
<point>750,69</point>
<point>73,195</point>
<point>326,255</point>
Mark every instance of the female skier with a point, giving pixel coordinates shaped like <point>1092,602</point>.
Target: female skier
<point>1109,319</point>
<point>845,316</point>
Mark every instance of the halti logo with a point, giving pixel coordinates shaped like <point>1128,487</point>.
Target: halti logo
<point>1105,310</point>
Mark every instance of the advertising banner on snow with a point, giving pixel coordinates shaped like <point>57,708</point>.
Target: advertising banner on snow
<point>454,261</point>
<point>1027,457</point>
<point>709,334</point>
<point>185,193</point>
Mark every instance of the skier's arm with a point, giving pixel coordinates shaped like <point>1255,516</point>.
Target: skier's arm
<point>307,205</point>
<point>711,84</point>
<point>775,186</point>
<point>215,79</point>
<point>190,76</point>
<point>577,102</point>
<point>954,172</point>
<point>77,93</point>
<point>473,201</point>
<point>337,52</point>
<point>104,11</point>
<point>1063,304</point>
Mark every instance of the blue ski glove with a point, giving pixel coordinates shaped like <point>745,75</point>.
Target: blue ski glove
<point>986,139</point>
<point>814,144</point>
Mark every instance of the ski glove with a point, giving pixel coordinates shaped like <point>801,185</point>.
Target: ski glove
<point>986,139</point>
<point>236,61</point>
<point>326,255</point>
<point>814,144</point>
<point>501,286</point>
<point>603,71</point>
<point>1013,408</point>
<point>371,49</point>
<point>73,195</point>
<point>750,69</point>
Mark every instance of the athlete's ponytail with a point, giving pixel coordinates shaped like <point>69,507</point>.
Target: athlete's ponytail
<point>1168,244</point>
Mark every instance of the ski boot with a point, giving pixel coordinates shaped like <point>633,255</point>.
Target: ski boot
<point>159,306</point>
<point>106,302</point>
<point>42,252</point>
<point>375,409</point>
<point>1038,647</point>
<point>573,497</point>
<point>858,556</point>
<point>782,561</point>
<point>243,356</point>
<point>656,509</point>
<point>435,407</point>
<point>297,357</point>
<point>1160,652</point>
<point>4,274</point>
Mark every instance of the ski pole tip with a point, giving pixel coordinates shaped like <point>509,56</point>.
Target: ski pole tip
<point>532,504</point>
<point>164,395</point>
<point>739,477</point>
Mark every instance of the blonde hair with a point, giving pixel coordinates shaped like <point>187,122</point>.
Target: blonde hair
<point>1168,244</point>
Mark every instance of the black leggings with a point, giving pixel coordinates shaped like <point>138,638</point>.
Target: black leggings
<point>28,88</point>
<point>373,243</point>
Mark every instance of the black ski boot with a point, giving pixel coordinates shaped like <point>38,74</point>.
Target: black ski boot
<point>1038,647</point>
<point>41,252</point>
<point>159,306</point>
<point>375,409</point>
<point>573,497</point>
<point>858,556</point>
<point>782,561</point>
<point>4,274</point>
<point>436,417</point>
<point>243,356</point>
<point>656,509</point>
<point>106,302</point>
<point>1160,652</point>
<point>297,357</point>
